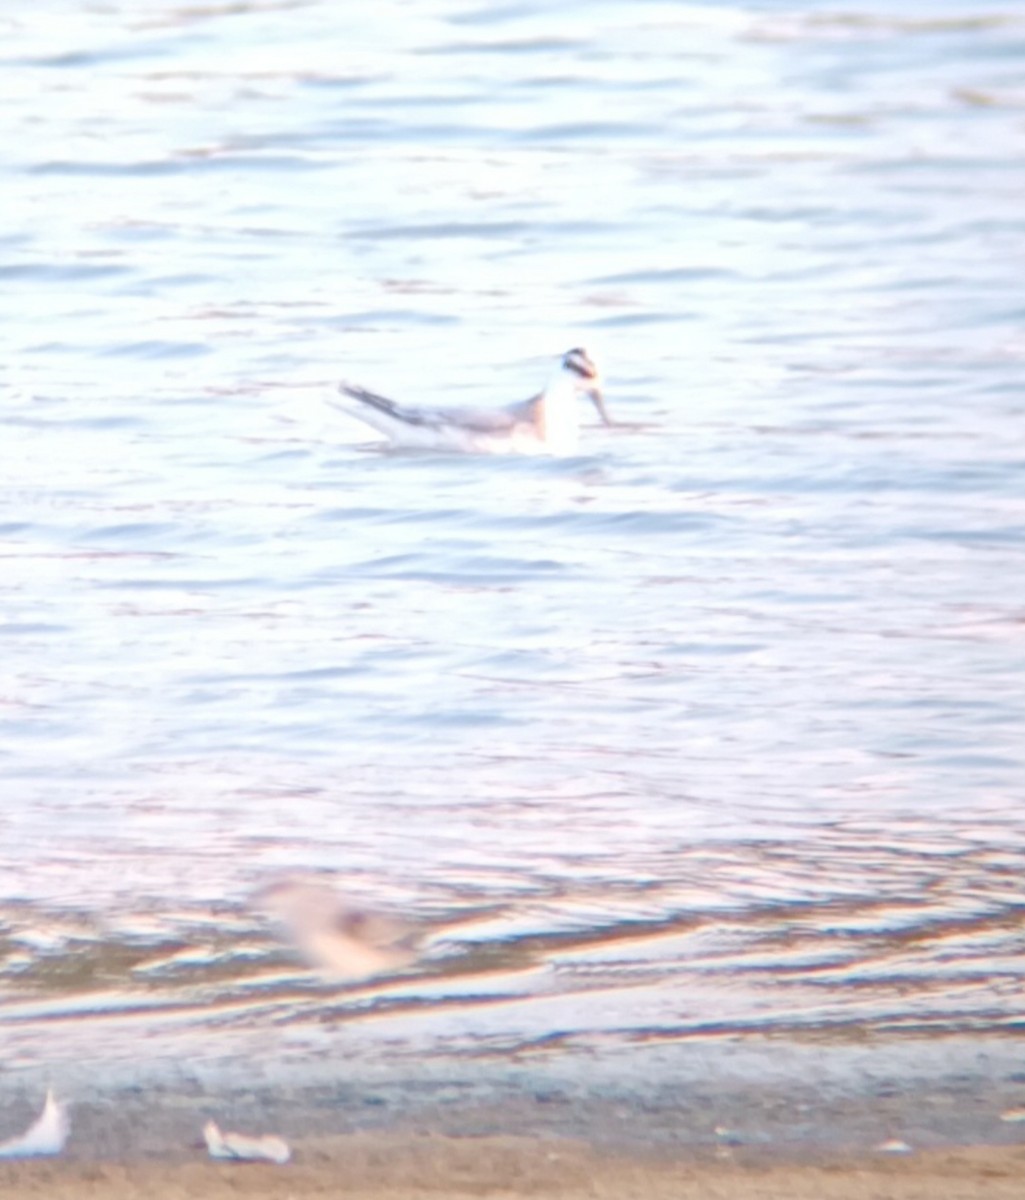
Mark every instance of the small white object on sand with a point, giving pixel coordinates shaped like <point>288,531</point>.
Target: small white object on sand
<point>47,1135</point>
<point>893,1146</point>
<point>1013,1114</point>
<point>242,1148</point>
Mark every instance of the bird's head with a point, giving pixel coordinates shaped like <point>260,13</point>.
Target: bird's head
<point>586,377</point>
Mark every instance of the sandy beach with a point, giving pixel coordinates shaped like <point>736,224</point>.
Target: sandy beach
<point>407,1167</point>
<point>752,1119</point>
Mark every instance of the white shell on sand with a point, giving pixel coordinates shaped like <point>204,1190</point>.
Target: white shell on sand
<point>46,1135</point>
<point>242,1148</point>
<point>893,1146</point>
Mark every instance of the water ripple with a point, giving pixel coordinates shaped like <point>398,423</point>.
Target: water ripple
<point>711,730</point>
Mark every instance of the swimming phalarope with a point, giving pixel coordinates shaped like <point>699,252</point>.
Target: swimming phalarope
<point>545,424</point>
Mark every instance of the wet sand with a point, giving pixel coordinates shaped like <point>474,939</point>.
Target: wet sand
<point>405,1167</point>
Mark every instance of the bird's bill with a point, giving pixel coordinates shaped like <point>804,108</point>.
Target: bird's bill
<point>599,403</point>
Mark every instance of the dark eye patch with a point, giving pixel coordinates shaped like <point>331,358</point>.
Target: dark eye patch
<point>577,360</point>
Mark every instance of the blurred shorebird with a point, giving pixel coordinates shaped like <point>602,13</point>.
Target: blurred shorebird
<point>546,424</point>
<point>336,939</point>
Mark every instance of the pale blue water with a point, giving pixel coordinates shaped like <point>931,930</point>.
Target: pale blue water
<point>717,727</point>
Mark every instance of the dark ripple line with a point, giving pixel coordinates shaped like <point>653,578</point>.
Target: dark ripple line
<point>54,273</point>
<point>219,163</point>
<point>666,275</point>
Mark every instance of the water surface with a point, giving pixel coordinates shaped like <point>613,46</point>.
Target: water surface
<point>714,729</point>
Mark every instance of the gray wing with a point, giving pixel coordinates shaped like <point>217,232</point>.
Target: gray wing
<point>408,416</point>
<point>477,420</point>
<point>489,420</point>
